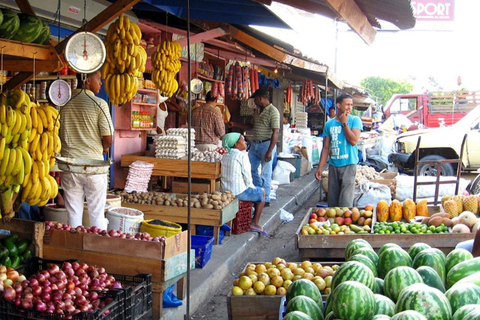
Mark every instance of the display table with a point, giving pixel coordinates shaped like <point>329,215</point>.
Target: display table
<point>177,168</point>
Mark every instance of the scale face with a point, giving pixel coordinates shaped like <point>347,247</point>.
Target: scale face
<point>85,52</point>
<point>59,92</point>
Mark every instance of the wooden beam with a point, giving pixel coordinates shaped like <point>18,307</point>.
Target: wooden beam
<point>25,7</point>
<point>24,50</point>
<point>203,36</point>
<point>242,57</point>
<point>27,65</point>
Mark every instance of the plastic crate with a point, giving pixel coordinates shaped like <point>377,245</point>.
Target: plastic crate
<point>138,294</point>
<point>203,249</point>
<point>243,220</point>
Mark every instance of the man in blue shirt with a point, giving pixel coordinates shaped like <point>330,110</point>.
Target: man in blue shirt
<point>340,137</point>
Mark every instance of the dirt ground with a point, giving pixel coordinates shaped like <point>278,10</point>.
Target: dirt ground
<point>280,244</point>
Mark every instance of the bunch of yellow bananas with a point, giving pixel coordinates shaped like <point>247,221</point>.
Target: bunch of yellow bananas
<point>125,60</point>
<point>166,64</point>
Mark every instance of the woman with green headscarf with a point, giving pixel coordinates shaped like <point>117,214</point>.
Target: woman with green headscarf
<point>237,176</point>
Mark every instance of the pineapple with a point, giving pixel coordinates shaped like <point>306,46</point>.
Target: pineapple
<point>445,198</point>
<point>450,207</point>
<point>471,204</point>
<point>459,200</point>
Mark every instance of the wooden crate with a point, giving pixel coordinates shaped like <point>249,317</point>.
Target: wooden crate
<point>208,217</point>
<point>333,246</point>
<point>27,229</point>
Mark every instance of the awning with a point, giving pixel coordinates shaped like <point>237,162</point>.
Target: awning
<point>242,12</point>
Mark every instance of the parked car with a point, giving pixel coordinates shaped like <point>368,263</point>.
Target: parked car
<point>441,143</point>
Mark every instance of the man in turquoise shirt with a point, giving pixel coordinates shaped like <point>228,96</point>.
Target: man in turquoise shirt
<point>340,137</point>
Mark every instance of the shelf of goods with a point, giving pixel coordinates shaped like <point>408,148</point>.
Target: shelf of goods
<point>138,114</point>
<point>207,217</point>
<point>177,168</point>
<point>333,246</point>
<point>165,261</point>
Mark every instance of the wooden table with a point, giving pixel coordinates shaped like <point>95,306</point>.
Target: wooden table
<point>177,168</point>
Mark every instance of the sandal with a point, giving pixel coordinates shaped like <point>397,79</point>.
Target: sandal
<point>261,231</point>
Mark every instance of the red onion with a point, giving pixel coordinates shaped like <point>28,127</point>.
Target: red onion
<point>93,295</point>
<point>75,266</point>
<point>116,285</point>
<point>17,302</point>
<point>53,269</point>
<point>59,304</point>
<point>40,306</point>
<point>18,287</point>
<point>37,290</point>
<point>34,282</point>
<point>46,297</point>
<point>9,293</point>
<point>27,303</point>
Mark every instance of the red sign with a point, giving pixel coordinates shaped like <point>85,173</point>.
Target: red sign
<point>433,10</point>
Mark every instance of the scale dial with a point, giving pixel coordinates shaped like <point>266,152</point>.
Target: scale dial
<point>85,52</point>
<point>59,92</point>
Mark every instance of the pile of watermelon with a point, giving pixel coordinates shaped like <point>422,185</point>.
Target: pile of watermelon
<point>23,27</point>
<point>421,283</point>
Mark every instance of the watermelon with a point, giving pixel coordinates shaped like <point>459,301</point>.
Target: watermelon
<point>372,255</point>
<point>355,244</point>
<point>330,316</point>
<point>304,287</point>
<point>353,270</point>
<point>431,278</point>
<point>438,252</point>
<point>10,24</point>
<point>328,305</point>
<point>462,294</point>
<point>399,278</point>
<point>473,278</point>
<point>381,317</point>
<point>365,260</point>
<point>416,248</point>
<point>392,258</point>
<point>30,28</point>
<point>1,17</point>
<point>409,315</point>
<point>44,36</point>
<point>306,305</point>
<point>462,312</point>
<point>384,305</point>
<point>455,257</point>
<point>428,258</point>
<point>461,270</point>
<point>473,315</point>
<point>353,300</point>
<point>387,246</point>
<point>297,315</point>
<point>430,302</point>
<point>378,286</point>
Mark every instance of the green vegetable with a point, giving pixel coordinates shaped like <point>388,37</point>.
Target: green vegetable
<point>5,261</point>
<point>3,252</point>
<point>16,261</point>
<point>10,239</point>
<point>27,254</point>
<point>12,249</point>
<point>22,245</point>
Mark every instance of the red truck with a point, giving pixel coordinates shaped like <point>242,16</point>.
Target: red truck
<point>433,109</point>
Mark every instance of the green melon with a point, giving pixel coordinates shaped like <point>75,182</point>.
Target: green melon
<point>392,258</point>
<point>10,24</point>
<point>462,312</point>
<point>297,315</point>
<point>431,259</point>
<point>353,270</point>
<point>462,294</point>
<point>381,317</point>
<point>474,315</point>
<point>416,248</point>
<point>355,244</point>
<point>430,302</point>
<point>353,300</point>
<point>379,285</point>
<point>384,305</point>
<point>1,17</point>
<point>370,253</point>
<point>399,278</point>
<point>306,305</point>
<point>438,252</point>
<point>365,260</point>
<point>455,257</point>
<point>431,278</point>
<point>473,278</point>
<point>304,287</point>
<point>44,36</point>
<point>328,304</point>
<point>387,246</point>
<point>330,316</point>
<point>409,315</point>
<point>462,270</point>
<point>30,28</point>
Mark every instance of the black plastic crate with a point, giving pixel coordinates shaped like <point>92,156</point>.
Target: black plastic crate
<point>138,294</point>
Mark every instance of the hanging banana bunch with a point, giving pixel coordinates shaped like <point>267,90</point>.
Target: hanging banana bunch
<point>125,60</point>
<point>166,64</point>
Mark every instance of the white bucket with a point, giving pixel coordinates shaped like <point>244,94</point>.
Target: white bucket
<point>53,212</point>
<point>124,219</point>
<point>114,200</point>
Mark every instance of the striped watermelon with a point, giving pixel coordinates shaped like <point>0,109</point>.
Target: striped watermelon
<point>399,278</point>
<point>438,252</point>
<point>1,17</point>
<point>473,278</point>
<point>353,270</point>
<point>306,305</point>
<point>30,28</point>
<point>10,24</point>
<point>409,315</point>
<point>330,316</point>
<point>297,315</point>
<point>431,278</point>
<point>474,315</point>
<point>378,286</point>
<point>365,260</point>
<point>416,248</point>
<point>392,258</point>
<point>381,317</point>
<point>427,258</point>
<point>462,294</point>
<point>384,305</point>
<point>462,312</point>
<point>355,244</point>
<point>353,300</point>
<point>388,246</point>
<point>304,287</point>
<point>461,270</point>
<point>370,253</point>
<point>44,36</point>
<point>429,301</point>
<point>328,305</point>
<point>455,257</point>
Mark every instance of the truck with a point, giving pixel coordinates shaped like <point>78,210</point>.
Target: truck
<point>433,109</point>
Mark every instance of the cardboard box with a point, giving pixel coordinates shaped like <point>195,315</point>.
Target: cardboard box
<point>198,186</point>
